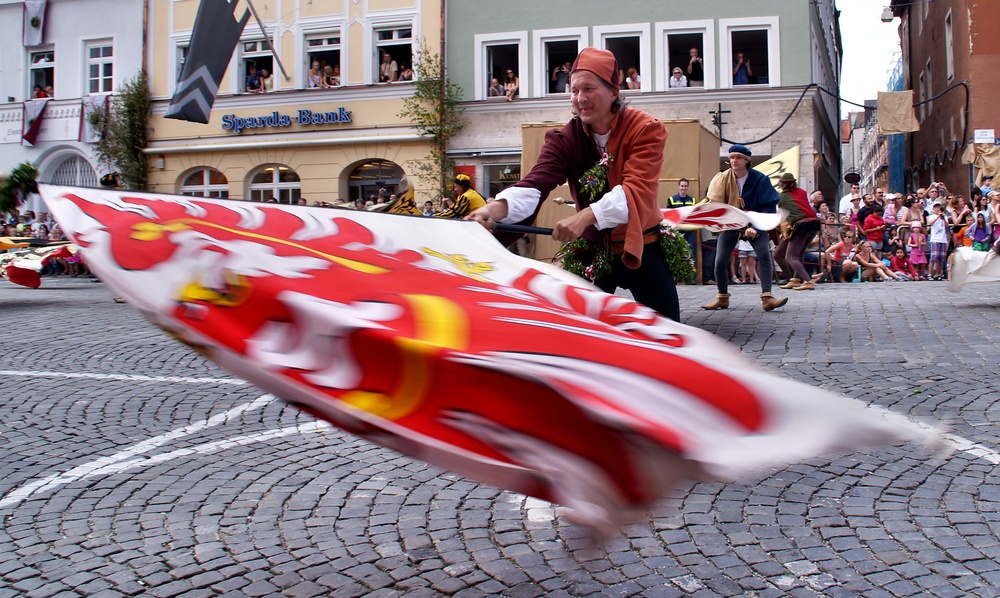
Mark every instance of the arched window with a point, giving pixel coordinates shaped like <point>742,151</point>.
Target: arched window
<point>369,178</point>
<point>74,171</point>
<point>206,182</point>
<point>277,182</point>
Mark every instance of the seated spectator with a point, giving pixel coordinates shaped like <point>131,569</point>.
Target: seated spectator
<point>839,258</point>
<point>315,78</point>
<point>494,90</point>
<point>511,86</point>
<point>872,267</point>
<point>677,78</point>
<point>901,266</point>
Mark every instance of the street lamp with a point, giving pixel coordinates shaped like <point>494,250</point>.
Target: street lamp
<point>887,15</point>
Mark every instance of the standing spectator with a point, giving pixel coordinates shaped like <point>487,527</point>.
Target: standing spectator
<point>511,85</point>
<point>315,76</point>
<point>428,208</point>
<point>677,79</point>
<point>623,145</point>
<point>388,71</point>
<point>802,228</point>
<point>916,244</point>
<point>854,214</point>
<point>681,199</point>
<point>867,207</point>
<point>874,228</point>
<point>938,223</point>
<point>845,201</point>
<point>979,233</point>
<point>467,200</point>
<point>266,81</point>
<point>987,185</point>
<point>695,69</point>
<point>406,74</point>
<point>891,209</point>
<point>741,70</point>
<point>752,190</point>
<point>495,90</point>
<point>632,79</point>
<point>331,75</point>
<point>560,78</point>
<point>253,81</point>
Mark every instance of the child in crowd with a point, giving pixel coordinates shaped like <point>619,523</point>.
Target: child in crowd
<point>901,265</point>
<point>916,244</point>
<point>979,233</point>
<point>748,262</point>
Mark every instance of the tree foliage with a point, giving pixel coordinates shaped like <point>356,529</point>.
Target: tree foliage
<point>435,111</point>
<point>124,132</point>
<point>16,186</point>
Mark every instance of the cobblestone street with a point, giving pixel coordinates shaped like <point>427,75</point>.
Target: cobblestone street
<point>131,466</point>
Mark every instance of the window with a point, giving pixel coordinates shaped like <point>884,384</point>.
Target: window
<point>750,50</point>
<point>324,50</point>
<point>41,73</point>
<point>949,48</point>
<point>74,171</point>
<point>930,88</point>
<point>206,182</point>
<point>100,67</point>
<point>182,54</point>
<point>275,184</point>
<point>497,53</point>
<point>684,44</point>
<point>501,176</point>
<point>921,95</point>
<point>630,45</point>
<point>394,48</point>
<point>255,55</point>
<point>369,178</point>
<point>553,48</point>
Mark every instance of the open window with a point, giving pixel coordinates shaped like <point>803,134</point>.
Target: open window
<point>750,51</point>
<point>394,51</point>
<point>41,73</point>
<point>496,54</point>
<point>553,48</point>
<point>322,51</point>
<point>630,45</point>
<point>690,47</point>
<point>255,57</point>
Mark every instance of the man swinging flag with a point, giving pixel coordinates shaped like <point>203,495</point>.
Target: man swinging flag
<point>426,336</point>
<point>215,35</point>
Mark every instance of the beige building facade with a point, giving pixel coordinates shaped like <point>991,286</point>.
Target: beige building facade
<point>329,140</point>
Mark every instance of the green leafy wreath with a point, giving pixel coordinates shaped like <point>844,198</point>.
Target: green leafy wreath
<point>593,260</point>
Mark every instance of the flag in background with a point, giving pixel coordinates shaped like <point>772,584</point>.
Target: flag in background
<point>213,39</point>
<point>34,111</point>
<point>88,132</point>
<point>34,23</point>
<point>426,336</point>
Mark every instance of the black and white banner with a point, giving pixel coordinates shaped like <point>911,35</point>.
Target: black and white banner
<point>215,35</point>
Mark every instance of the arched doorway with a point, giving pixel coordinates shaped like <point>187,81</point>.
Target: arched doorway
<point>371,176</point>
<point>74,171</point>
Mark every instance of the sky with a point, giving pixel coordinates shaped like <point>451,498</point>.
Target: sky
<point>870,50</point>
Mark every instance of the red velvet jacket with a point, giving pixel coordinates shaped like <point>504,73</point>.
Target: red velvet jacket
<point>636,146</point>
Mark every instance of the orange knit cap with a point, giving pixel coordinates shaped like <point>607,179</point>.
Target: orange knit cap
<point>600,62</point>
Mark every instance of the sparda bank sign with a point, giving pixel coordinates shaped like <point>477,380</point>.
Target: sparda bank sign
<point>236,124</point>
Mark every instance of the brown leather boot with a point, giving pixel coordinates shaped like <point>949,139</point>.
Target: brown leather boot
<point>721,302</point>
<point>770,302</point>
<point>792,283</point>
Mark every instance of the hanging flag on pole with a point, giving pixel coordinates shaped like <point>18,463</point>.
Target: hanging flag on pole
<point>426,336</point>
<point>215,35</point>
<point>34,23</point>
<point>34,112</point>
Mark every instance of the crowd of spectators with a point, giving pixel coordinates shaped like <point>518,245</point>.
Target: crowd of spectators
<point>881,236</point>
<point>25,225</point>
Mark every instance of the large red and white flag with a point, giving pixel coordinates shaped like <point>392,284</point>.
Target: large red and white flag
<point>426,336</point>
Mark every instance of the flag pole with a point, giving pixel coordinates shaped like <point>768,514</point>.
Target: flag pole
<point>274,52</point>
<point>520,228</point>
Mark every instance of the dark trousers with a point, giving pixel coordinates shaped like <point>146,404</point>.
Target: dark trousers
<point>802,235</point>
<point>651,283</point>
<point>724,253</point>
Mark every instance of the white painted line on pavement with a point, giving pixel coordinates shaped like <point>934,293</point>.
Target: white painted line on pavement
<point>973,448</point>
<point>125,459</point>
<point>129,377</point>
